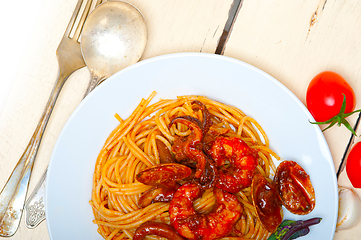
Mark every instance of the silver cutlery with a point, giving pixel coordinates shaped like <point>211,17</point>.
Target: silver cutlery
<point>12,196</point>
<point>104,46</point>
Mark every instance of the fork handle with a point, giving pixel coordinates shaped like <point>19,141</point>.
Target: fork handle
<point>13,194</point>
<point>35,205</point>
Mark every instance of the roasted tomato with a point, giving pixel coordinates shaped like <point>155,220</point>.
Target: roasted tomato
<point>330,99</point>
<point>295,188</point>
<point>266,201</point>
<point>353,165</point>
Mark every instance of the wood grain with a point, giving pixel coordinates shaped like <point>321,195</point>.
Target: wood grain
<point>290,40</point>
<point>295,40</point>
<point>173,26</point>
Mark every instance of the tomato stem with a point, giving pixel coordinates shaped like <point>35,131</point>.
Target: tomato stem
<point>340,118</point>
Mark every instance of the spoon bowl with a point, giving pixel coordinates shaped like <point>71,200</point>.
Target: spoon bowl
<point>114,36</point>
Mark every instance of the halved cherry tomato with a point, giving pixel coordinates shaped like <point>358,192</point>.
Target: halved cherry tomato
<point>330,99</point>
<point>353,165</point>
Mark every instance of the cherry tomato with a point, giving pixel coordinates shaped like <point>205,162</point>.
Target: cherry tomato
<point>353,165</point>
<point>325,96</point>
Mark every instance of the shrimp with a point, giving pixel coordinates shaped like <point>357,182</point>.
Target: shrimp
<point>242,160</point>
<point>192,225</point>
<point>156,194</point>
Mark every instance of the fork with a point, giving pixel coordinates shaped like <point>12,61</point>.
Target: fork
<point>35,206</point>
<point>12,196</point>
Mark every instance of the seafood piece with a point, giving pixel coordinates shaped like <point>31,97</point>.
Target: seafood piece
<point>212,135</point>
<point>207,121</point>
<point>164,175</point>
<point>295,188</point>
<point>209,176</point>
<point>267,203</point>
<point>164,154</point>
<point>192,225</point>
<point>242,160</point>
<point>164,178</point>
<point>156,228</point>
<point>190,147</point>
<point>156,194</point>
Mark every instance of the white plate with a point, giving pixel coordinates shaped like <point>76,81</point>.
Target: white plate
<point>284,118</point>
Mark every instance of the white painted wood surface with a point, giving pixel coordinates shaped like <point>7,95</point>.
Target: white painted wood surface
<point>173,26</point>
<point>295,40</point>
<point>290,40</point>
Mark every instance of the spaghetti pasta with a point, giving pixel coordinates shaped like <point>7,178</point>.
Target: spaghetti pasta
<point>131,148</point>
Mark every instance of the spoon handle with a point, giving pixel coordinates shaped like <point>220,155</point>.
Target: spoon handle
<point>13,194</point>
<point>94,82</point>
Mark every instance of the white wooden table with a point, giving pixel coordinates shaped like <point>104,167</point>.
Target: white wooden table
<point>290,40</point>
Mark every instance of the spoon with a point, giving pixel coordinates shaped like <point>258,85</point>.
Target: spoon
<point>113,37</point>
